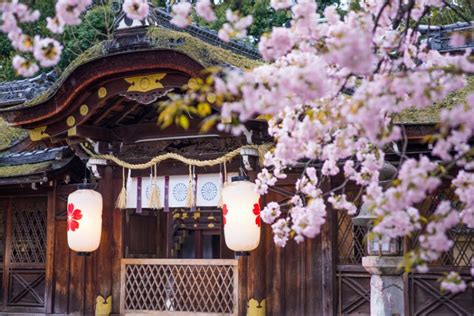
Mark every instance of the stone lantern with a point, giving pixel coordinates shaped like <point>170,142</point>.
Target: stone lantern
<point>383,262</point>
<point>377,245</point>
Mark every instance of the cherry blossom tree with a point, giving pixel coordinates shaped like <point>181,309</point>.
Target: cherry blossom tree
<point>332,88</point>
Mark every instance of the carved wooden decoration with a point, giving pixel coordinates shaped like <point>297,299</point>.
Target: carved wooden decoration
<point>145,83</point>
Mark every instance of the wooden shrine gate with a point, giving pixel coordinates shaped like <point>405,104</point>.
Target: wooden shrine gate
<point>179,286</point>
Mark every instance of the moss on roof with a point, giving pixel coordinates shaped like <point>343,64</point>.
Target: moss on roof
<point>204,53</point>
<point>161,38</point>
<point>9,135</point>
<point>23,170</point>
<point>430,115</point>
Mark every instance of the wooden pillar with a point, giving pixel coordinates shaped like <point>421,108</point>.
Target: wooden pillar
<point>243,297</point>
<point>50,235</point>
<point>104,255</point>
<point>328,257</point>
<point>117,246</point>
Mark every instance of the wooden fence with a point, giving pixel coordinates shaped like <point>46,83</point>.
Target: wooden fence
<point>179,286</point>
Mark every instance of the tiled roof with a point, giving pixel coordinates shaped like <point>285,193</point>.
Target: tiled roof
<point>439,36</point>
<point>19,91</point>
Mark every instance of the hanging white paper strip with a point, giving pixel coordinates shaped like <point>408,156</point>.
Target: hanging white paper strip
<point>208,191</point>
<point>146,191</point>
<point>178,191</point>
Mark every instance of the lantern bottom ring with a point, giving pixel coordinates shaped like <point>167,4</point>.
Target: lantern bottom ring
<point>242,253</point>
<point>83,254</point>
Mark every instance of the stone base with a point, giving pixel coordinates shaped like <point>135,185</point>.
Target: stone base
<point>386,285</point>
<point>383,265</point>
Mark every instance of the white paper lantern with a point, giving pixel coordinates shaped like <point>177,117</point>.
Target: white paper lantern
<point>241,215</point>
<point>84,220</point>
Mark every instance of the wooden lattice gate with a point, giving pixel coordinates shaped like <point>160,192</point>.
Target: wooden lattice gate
<point>179,286</point>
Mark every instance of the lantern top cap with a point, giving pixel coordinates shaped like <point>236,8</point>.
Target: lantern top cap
<point>365,216</point>
<point>239,178</point>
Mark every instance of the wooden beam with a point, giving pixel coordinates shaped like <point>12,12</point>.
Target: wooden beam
<point>133,133</point>
<point>119,118</point>
<point>93,132</point>
<point>111,108</point>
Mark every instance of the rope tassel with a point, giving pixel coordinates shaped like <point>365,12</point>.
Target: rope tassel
<point>190,195</point>
<point>121,202</point>
<point>223,179</point>
<point>155,202</point>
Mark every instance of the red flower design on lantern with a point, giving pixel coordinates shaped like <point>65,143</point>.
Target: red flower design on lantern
<point>73,216</point>
<point>224,213</point>
<point>256,211</point>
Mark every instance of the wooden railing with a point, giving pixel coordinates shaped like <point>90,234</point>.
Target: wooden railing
<point>179,286</point>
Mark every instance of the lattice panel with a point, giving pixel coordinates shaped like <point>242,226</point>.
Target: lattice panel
<point>180,288</point>
<point>463,250</point>
<point>427,299</point>
<point>26,288</point>
<point>354,293</point>
<point>29,231</point>
<point>351,244</point>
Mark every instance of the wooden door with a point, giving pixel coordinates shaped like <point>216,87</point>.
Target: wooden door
<point>24,263</point>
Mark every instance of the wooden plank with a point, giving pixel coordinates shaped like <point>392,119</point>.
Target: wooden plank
<point>328,251</point>
<point>198,244</point>
<point>90,294</point>
<point>292,283</point>
<point>61,275</point>
<point>50,235</point>
<point>76,283</point>
<point>8,227</point>
<point>313,276</point>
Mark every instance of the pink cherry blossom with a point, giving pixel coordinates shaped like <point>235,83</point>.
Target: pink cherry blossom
<point>23,43</point>
<point>270,213</point>
<point>277,44</point>
<point>281,232</point>
<point>457,39</point>
<point>24,67</point>
<point>68,11</point>
<point>204,10</point>
<point>55,25</point>
<point>453,283</point>
<point>136,9</point>
<point>236,26</point>
<point>47,51</point>
<point>280,4</point>
<point>181,12</point>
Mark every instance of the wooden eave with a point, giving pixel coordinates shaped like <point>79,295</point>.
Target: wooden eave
<point>108,72</point>
<point>103,92</point>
